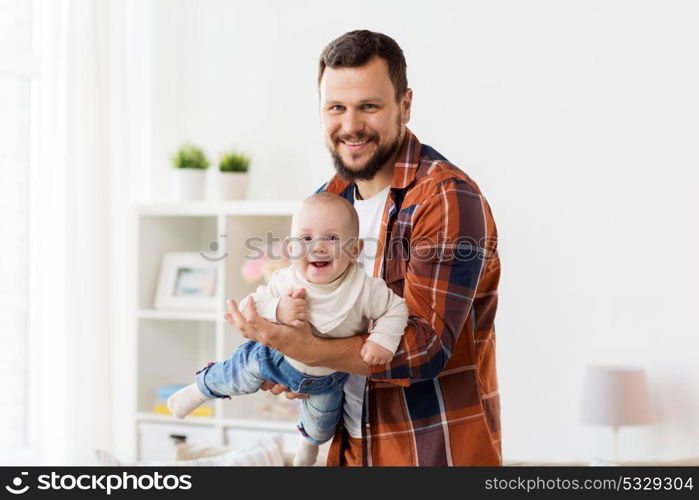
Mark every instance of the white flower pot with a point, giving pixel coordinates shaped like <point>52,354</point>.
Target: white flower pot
<point>188,184</point>
<point>233,185</point>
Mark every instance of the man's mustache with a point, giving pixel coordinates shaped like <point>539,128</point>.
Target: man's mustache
<point>360,137</point>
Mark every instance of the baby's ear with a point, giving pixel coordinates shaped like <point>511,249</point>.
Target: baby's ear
<point>286,246</point>
<point>358,246</point>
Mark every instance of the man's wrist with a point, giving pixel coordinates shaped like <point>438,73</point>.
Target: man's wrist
<point>309,353</point>
<point>303,348</point>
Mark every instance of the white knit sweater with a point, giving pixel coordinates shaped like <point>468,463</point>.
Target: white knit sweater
<point>342,308</point>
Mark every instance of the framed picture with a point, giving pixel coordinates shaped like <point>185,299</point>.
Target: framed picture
<point>187,281</point>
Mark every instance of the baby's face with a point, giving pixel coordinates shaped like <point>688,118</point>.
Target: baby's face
<point>322,243</point>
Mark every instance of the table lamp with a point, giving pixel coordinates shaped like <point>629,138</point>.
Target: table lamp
<point>615,396</point>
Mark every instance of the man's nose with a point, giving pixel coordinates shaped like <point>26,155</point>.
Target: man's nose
<point>352,123</point>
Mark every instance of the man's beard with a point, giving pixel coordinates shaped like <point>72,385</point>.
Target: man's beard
<point>377,160</point>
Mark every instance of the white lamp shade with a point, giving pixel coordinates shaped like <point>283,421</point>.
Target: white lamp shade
<point>616,396</point>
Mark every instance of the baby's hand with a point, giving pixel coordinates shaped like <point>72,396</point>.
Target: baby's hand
<point>374,354</point>
<point>292,310</point>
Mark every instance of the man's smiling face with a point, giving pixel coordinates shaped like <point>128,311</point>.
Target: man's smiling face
<point>362,122</point>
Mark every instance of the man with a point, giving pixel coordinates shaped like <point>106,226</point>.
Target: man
<point>437,401</point>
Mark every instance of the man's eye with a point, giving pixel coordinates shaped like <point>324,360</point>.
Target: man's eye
<point>336,107</point>
<point>369,106</point>
<point>306,238</point>
<point>332,237</point>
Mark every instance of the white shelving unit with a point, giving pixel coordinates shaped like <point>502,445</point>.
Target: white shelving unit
<point>173,345</point>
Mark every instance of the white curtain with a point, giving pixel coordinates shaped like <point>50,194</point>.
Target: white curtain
<point>17,72</point>
<point>90,159</point>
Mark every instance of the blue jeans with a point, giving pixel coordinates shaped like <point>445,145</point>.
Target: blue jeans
<point>253,363</point>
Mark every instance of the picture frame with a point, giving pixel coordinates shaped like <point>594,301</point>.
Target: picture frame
<point>187,281</point>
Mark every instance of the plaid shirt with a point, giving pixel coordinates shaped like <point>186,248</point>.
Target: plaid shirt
<point>437,402</point>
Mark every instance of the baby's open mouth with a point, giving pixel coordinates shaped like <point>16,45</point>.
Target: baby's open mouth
<point>320,263</point>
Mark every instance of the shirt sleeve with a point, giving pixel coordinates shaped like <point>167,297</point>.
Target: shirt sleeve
<point>266,297</point>
<point>447,255</point>
<point>389,312</point>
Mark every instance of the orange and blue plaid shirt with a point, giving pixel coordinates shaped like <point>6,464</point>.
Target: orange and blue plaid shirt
<point>437,402</point>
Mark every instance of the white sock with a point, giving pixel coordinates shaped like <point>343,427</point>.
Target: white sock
<point>186,400</point>
<point>306,453</point>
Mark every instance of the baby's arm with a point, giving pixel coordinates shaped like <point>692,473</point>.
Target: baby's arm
<point>292,309</point>
<point>266,297</point>
<point>374,354</point>
<point>276,304</point>
<point>265,304</point>
<point>390,315</point>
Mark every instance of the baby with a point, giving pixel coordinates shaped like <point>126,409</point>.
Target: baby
<point>340,301</point>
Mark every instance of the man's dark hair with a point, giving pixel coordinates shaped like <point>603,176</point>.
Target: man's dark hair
<point>356,48</point>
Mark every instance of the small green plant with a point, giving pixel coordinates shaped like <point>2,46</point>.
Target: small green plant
<point>190,156</point>
<point>234,162</point>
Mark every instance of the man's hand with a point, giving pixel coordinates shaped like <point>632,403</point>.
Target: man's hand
<point>374,354</point>
<point>278,389</point>
<point>293,341</point>
<point>292,308</point>
<point>284,338</point>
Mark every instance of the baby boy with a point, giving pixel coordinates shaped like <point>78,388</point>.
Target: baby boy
<point>340,300</point>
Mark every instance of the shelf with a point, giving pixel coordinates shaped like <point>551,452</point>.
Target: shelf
<point>238,423</point>
<point>172,345</point>
<point>203,208</point>
<point>158,417</point>
<point>259,424</point>
<point>178,315</point>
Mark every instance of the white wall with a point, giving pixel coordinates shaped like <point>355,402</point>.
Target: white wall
<point>577,119</point>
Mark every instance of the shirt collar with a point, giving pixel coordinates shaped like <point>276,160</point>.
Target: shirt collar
<point>407,161</point>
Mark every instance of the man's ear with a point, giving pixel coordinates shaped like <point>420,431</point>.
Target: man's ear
<point>406,103</point>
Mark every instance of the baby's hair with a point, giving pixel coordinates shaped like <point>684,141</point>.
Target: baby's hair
<point>325,197</point>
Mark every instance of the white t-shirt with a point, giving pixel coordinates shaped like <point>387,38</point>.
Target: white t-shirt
<point>370,212</point>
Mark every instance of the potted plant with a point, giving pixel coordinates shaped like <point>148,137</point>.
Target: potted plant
<point>190,164</point>
<point>233,181</point>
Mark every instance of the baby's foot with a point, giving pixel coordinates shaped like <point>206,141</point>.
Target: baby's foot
<point>306,453</point>
<point>186,400</point>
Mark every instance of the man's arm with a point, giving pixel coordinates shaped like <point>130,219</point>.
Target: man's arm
<point>299,342</point>
<point>339,354</point>
<point>450,232</point>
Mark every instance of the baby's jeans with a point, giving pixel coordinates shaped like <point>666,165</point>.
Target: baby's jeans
<point>253,363</point>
